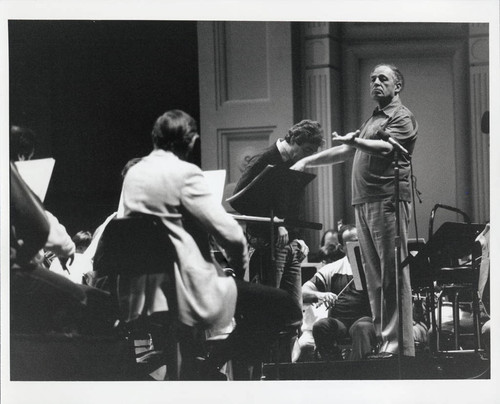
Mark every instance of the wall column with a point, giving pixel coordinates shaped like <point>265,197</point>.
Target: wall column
<point>479,103</point>
<point>321,102</point>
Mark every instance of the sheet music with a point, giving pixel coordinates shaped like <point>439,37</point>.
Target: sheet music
<point>216,180</point>
<point>37,173</point>
<point>352,247</point>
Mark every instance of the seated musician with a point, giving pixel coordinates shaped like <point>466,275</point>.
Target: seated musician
<point>302,139</point>
<point>164,183</point>
<point>81,265</point>
<point>349,309</point>
<point>43,302</point>
<point>329,248</point>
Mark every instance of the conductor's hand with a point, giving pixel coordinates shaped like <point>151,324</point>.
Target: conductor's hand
<point>347,139</point>
<point>299,166</point>
<point>282,237</point>
<point>326,298</point>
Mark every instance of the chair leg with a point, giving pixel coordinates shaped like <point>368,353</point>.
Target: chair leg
<point>277,359</point>
<point>432,318</point>
<point>456,318</point>
<point>476,317</point>
<point>439,321</point>
<point>282,346</point>
<point>172,355</point>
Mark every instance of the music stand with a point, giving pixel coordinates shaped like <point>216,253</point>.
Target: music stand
<point>274,186</point>
<point>451,242</point>
<point>271,191</point>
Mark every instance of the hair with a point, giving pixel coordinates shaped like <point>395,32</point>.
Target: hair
<point>306,131</point>
<point>342,230</point>
<point>129,164</point>
<point>22,142</point>
<point>82,240</point>
<point>323,237</point>
<point>330,254</point>
<point>397,73</point>
<point>173,131</point>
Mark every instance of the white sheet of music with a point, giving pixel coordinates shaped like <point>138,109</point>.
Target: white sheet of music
<point>216,180</point>
<point>37,173</point>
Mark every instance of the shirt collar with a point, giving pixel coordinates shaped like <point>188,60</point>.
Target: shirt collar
<point>282,149</point>
<point>163,153</point>
<point>159,151</point>
<point>390,108</point>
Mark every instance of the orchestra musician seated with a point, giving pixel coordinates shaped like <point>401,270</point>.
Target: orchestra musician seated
<point>329,249</point>
<point>332,288</point>
<point>283,271</point>
<point>164,184</point>
<point>81,265</point>
<point>43,302</point>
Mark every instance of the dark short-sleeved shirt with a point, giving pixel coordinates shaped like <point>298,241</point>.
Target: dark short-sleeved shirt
<point>352,304</point>
<point>373,175</point>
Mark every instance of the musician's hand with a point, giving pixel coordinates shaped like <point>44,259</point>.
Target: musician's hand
<point>347,139</point>
<point>65,261</point>
<point>282,237</point>
<point>326,298</point>
<point>299,166</point>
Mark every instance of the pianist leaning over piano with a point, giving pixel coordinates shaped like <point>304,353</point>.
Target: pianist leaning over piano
<point>303,139</point>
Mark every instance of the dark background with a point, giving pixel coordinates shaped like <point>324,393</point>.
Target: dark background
<point>92,90</point>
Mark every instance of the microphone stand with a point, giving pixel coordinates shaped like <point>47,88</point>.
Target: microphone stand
<point>397,247</point>
<point>271,245</point>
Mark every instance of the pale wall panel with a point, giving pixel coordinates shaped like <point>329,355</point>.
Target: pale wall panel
<point>246,97</point>
<point>246,61</point>
<point>237,146</point>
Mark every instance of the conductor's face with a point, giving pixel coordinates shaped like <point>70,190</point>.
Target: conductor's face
<point>383,85</point>
<point>305,149</point>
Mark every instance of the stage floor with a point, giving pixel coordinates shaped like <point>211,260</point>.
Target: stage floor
<point>424,366</point>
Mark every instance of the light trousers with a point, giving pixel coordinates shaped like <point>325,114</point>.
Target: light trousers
<point>376,224</point>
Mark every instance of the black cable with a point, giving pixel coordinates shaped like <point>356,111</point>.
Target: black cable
<point>413,189</point>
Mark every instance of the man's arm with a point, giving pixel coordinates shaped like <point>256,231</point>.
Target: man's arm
<point>198,200</point>
<point>59,241</point>
<point>333,155</point>
<point>403,128</point>
<point>311,294</point>
<point>371,146</point>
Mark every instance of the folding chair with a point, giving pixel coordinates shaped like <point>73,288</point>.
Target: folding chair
<point>135,261</point>
<point>454,259</point>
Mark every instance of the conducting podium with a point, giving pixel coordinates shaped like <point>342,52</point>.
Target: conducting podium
<point>273,191</point>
